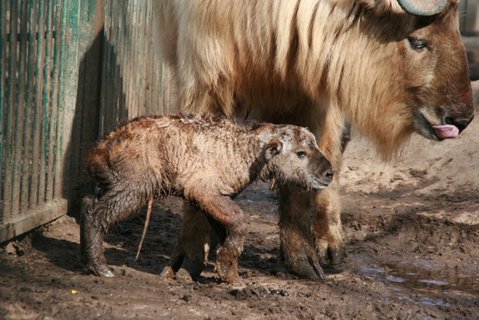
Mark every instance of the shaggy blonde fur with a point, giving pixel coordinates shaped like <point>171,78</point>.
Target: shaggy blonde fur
<point>319,63</point>
<point>237,53</point>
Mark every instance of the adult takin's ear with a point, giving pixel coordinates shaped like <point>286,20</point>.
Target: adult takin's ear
<point>273,148</point>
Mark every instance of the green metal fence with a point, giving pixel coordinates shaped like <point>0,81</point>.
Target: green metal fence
<point>130,56</point>
<point>70,70</point>
<point>469,22</point>
<point>31,49</point>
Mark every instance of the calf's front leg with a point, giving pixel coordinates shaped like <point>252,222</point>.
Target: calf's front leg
<point>226,212</point>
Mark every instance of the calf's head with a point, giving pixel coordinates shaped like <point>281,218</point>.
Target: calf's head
<point>292,156</point>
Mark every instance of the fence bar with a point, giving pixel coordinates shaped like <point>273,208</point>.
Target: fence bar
<point>18,105</point>
<point>56,133</point>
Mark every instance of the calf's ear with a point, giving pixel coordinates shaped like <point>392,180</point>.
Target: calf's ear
<point>273,148</point>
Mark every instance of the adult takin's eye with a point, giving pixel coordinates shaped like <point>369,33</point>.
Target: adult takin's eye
<point>417,43</point>
<point>301,154</point>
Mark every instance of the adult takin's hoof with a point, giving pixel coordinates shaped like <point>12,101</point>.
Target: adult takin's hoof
<point>305,267</point>
<point>336,256</point>
<point>194,267</point>
<point>331,256</point>
<point>300,257</point>
<point>101,270</point>
<point>192,261</point>
<point>226,266</point>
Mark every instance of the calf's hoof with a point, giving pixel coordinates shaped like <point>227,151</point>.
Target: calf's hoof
<point>167,273</point>
<point>226,266</point>
<point>101,270</point>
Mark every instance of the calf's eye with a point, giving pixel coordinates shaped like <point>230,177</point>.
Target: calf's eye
<point>417,43</point>
<point>301,154</point>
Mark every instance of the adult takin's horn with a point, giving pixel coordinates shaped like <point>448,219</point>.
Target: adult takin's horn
<point>423,7</point>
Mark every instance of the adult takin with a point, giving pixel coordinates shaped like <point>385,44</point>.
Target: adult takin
<point>207,160</point>
<point>390,68</point>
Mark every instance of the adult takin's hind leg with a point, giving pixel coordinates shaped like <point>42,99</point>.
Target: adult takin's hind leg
<point>311,229</point>
<point>193,243</point>
<point>98,214</point>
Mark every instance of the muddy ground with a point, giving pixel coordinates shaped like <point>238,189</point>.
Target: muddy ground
<point>411,230</point>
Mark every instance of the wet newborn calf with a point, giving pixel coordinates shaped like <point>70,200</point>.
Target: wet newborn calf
<point>205,159</point>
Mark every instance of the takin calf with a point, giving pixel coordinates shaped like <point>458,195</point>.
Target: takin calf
<point>205,159</point>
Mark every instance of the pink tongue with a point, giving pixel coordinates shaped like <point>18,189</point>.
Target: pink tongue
<point>446,131</point>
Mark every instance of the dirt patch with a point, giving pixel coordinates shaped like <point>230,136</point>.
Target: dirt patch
<point>411,229</point>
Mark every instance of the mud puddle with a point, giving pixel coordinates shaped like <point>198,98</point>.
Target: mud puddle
<point>420,282</point>
<point>419,260</point>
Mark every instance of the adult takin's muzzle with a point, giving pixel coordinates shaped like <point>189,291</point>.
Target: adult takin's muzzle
<point>459,123</point>
<point>452,127</point>
<point>454,122</point>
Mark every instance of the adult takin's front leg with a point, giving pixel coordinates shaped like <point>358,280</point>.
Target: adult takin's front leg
<point>310,222</point>
<point>327,227</point>
<point>297,244</point>
<point>310,230</point>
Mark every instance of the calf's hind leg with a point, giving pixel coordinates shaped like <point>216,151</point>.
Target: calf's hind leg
<point>98,215</point>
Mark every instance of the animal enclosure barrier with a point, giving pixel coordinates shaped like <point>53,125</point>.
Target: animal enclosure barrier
<point>469,10</point>
<point>70,70</point>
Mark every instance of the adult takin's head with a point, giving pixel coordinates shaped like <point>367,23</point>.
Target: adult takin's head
<point>402,69</point>
<point>292,156</point>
